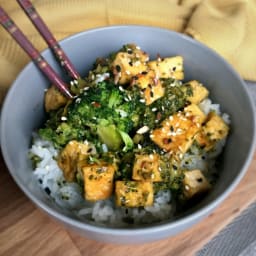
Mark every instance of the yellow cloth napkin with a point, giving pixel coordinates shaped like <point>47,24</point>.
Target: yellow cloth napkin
<point>226,26</point>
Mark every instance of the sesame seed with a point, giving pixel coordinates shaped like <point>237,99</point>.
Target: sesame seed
<point>121,88</point>
<point>142,101</point>
<point>76,82</point>
<point>137,63</point>
<point>139,146</point>
<point>72,83</point>
<point>154,109</point>
<point>118,68</point>
<point>78,100</point>
<point>179,131</point>
<point>63,118</point>
<point>86,88</point>
<point>143,129</point>
<point>151,156</point>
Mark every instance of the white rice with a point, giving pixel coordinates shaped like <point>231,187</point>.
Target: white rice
<point>69,195</point>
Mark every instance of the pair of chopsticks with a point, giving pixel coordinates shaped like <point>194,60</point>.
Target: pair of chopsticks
<point>34,54</point>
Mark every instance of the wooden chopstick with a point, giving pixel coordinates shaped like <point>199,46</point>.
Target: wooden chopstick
<point>40,25</point>
<point>34,54</point>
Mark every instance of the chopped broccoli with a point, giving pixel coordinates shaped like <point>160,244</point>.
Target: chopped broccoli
<point>110,136</point>
<point>127,141</point>
<point>103,114</point>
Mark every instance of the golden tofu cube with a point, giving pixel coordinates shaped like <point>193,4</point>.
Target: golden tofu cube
<point>134,193</point>
<point>195,183</point>
<point>151,86</point>
<point>177,132</point>
<point>128,64</point>
<point>98,181</point>
<point>54,99</point>
<point>71,156</point>
<point>215,129</point>
<point>146,167</point>
<point>171,67</point>
<point>195,113</point>
<point>199,92</point>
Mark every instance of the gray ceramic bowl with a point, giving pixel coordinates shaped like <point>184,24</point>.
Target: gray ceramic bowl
<point>23,112</point>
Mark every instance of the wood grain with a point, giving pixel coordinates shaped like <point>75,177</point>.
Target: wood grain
<point>25,230</point>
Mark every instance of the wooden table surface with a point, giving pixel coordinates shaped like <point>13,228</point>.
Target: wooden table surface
<point>24,230</point>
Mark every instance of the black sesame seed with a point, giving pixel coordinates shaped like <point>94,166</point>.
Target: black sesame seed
<point>151,94</point>
<point>144,72</point>
<point>47,190</point>
<point>118,68</point>
<point>40,181</point>
<point>199,179</point>
<point>89,150</point>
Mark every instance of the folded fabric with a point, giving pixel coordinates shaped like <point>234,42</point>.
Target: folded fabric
<point>226,26</point>
<point>229,28</point>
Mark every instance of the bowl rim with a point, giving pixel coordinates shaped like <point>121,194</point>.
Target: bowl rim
<point>79,224</point>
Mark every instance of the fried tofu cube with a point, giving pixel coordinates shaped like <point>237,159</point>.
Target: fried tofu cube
<point>195,113</point>
<point>54,99</point>
<point>98,181</point>
<point>151,86</point>
<point>146,167</point>
<point>177,132</point>
<point>128,64</point>
<point>199,92</point>
<point>195,183</point>
<point>134,193</point>
<point>171,67</point>
<point>214,130</point>
<point>71,156</point>
<point>215,127</point>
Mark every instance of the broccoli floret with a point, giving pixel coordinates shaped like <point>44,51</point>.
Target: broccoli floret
<point>103,114</point>
<point>115,99</point>
<point>109,135</point>
<point>127,141</point>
